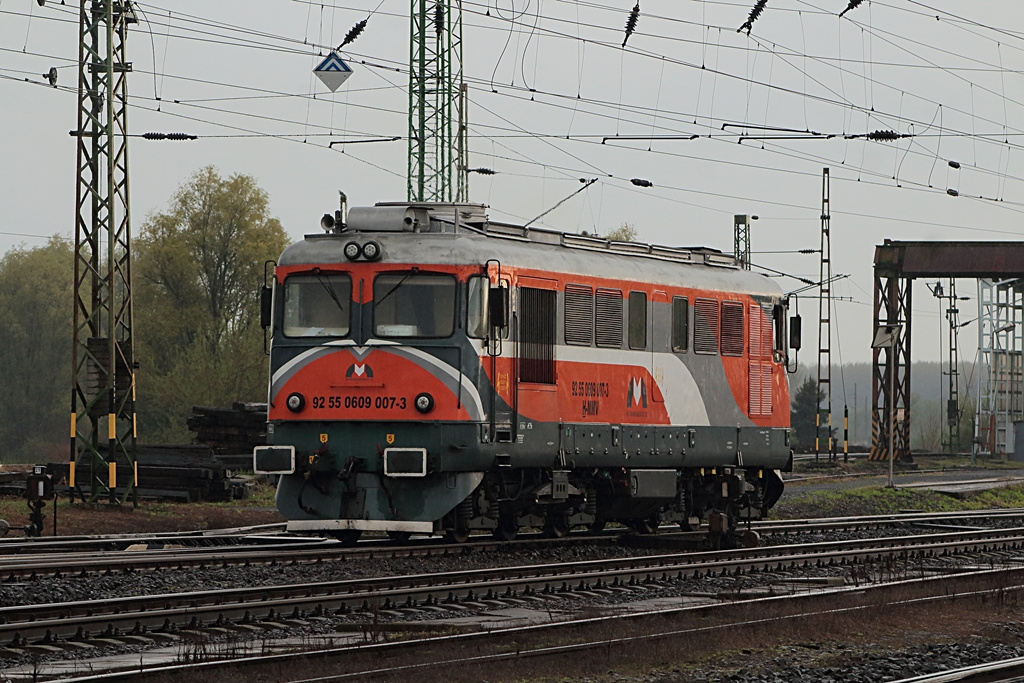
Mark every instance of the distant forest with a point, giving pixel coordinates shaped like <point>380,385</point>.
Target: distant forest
<point>851,386</point>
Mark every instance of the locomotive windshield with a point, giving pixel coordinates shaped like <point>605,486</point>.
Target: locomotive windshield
<point>317,305</point>
<point>414,304</point>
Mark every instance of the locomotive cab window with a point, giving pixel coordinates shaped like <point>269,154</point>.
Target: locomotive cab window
<point>637,320</point>
<point>476,305</point>
<point>414,304</point>
<point>317,305</point>
<point>680,324</point>
<point>477,297</point>
<point>779,326</point>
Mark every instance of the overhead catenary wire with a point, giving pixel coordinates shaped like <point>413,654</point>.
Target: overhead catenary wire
<point>271,134</point>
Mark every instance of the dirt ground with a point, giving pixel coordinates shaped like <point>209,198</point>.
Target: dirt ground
<point>78,518</point>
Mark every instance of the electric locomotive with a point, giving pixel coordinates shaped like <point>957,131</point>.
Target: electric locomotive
<point>432,371</point>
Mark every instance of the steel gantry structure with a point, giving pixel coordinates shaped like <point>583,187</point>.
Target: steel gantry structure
<point>437,103</point>
<point>897,264</point>
<point>103,431</point>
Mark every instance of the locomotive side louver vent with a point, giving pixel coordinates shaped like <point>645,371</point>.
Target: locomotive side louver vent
<point>609,318</point>
<point>705,326</point>
<point>759,377</point>
<point>579,315</point>
<point>732,328</point>
<point>537,323</point>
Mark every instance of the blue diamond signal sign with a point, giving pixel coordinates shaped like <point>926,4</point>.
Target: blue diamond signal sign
<point>333,71</point>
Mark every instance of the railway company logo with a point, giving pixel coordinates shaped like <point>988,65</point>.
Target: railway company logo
<point>637,395</point>
<point>390,439</point>
<point>359,371</point>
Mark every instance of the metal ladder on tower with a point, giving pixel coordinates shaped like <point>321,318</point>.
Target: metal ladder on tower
<point>824,387</point>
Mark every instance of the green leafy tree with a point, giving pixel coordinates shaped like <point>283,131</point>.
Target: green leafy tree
<point>626,232</point>
<point>198,268</point>
<point>35,352</point>
<point>803,413</point>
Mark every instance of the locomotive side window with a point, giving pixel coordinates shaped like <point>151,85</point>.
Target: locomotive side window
<point>705,326</point>
<point>637,320</point>
<point>732,328</point>
<point>317,305</point>
<point>779,325</point>
<point>537,324</point>
<point>414,304</point>
<point>579,315</point>
<point>608,306</point>
<point>680,323</point>
<point>476,325</point>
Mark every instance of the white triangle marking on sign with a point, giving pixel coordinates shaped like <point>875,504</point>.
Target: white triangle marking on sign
<point>333,71</point>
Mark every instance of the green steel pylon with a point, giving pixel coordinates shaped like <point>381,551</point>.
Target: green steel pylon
<point>103,361</point>
<point>436,121</point>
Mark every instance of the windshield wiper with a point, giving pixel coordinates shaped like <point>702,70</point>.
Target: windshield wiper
<point>378,302</point>
<point>326,284</point>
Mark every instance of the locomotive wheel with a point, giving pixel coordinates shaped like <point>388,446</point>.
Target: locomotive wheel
<point>645,526</point>
<point>556,526</point>
<point>457,535</point>
<point>348,537</point>
<point>690,524</point>
<point>400,536</point>
<point>505,531</point>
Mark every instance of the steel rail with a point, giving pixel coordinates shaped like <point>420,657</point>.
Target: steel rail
<point>778,610</point>
<point>45,622</point>
<point>312,550</point>
<point>989,672</point>
<point>61,544</point>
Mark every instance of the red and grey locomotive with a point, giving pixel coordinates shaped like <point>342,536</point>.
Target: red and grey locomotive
<point>432,372</point>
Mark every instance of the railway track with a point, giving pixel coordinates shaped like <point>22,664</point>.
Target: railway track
<point>40,558</point>
<point>249,607</point>
<point>468,656</point>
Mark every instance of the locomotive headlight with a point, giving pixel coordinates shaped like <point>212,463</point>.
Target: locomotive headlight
<point>352,251</point>
<point>295,402</point>
<point>371,251</point>
<point>424,402</point>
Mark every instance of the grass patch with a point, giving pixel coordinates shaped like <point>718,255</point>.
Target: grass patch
<point>878,500</point>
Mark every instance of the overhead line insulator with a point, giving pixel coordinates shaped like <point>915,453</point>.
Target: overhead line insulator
<point>885,135</point>
<point>641,182</point>
<point>353,33</point>
<point>853,5</point>
<point>169,136</point>
<point>631,22</point>
<point>754,14</point>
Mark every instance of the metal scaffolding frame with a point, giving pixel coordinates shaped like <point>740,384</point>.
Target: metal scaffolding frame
<point>741,240</point>
<point>1000,333</point>
<point>897,264</point>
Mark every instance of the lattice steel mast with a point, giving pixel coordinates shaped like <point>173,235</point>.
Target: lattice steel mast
<point>435,85</point>
<point>824,387</point>
<point>103,361</point>
<point>953,401</point>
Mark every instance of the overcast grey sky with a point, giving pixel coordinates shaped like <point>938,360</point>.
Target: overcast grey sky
<point>549,79</point>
